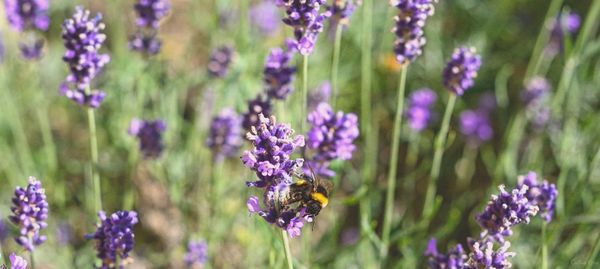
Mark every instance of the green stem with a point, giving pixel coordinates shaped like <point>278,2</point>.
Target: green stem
<point>591,259</point>
<point>336,64</point>
<point>391,180</point>
<point>437,157</point>
<point>94,157</point>
<point>540,43</point>
<point>544,247</point>
<point>304,93</point>
<point>32,259</point>
<point>286,247</point>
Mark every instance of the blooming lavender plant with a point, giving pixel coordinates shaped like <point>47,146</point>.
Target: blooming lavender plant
<point>25,15</point>
<point>220,60</point>
<point>16,262</point>
<point>307,20</point>
<point>540,194</point>
<point>257,106</point>
<point>225,134</point>
<point>29,213</point>
<point>197,253</point>
<point>569,22</point>
<point>331,137</point>
<point>475,124</point>
<point>461,70</point>
<point>279,73</point>
<point>409,28</point>
<point>341,10</point>
<point>149,13</point>
<point>83,38</point>
<point>270,158</point>
<point>484,255</point>
<point>149,132</point>
<point>455,258</point>
<point>419,113</point>
<point>144,43</point>
<point>114,238</point>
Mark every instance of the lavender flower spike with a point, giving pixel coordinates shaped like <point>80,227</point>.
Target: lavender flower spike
<point>483,255</point>
<point>150,135</point>
<point>16,262</point>
<point>455,258</point>
<point>461,70</point>
<point>305,17</point>
<point>225,134</point>
<point>278,72</point>
<point>83,38</point>
<point>341,10</point>
<point>114,238</point>
<point>540,194</point>
<point>220,60</point>
<point>257,106</point>
<point>27,14</point>
<point>418,113</point>
<point>197,253</point>
<point>151,11</point>
<point>29,214</point>
<point>409,28</point>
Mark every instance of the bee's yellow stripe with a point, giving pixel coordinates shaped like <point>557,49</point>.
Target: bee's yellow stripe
<point>300,182</point>
<point>320,198</point>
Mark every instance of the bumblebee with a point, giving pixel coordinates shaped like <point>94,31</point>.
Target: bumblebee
<point>309,191</point>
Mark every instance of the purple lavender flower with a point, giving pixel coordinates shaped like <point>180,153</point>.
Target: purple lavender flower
<point>225,134</point>
<point>114,238</point>
<point>146,44</point>
<point>409,28</point>
<point>16,262</point>
<point>305,17</point>
<point>278,73</point>
<point>484,255</point>
<point>418,113</point>
<point>332,134</point>
<point>32,51</point>
<point>455,259</point>
<point>27,14</point>
<point>220,60</point>
<point>150,135</point>
<point>540,194</point>
<point>29,214</point>
<point>83,38</point>
<point>257,106</point>
<point>319,95</point>
<point>461,70</point>
<point>265,16</point>
<point>570,22</point>
<point>341,10</point>
<point>151,11</point>
<point>504,211</point>
<point>475,125</point>
<point>271,160</point>
<point>197,253</point>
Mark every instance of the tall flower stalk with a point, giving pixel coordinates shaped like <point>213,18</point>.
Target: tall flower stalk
<point>458,77</point>
<point>408,45</point>
<point>340,11</point>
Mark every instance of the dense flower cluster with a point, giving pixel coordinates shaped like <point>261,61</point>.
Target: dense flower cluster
<point>257,106</point>
<point>409,23</point>
<point>149,13</point>
<point>29,213</point>
<point>150,135</point>
<point>220,60</point>
<point>16,262</point>
<point>114,238</point>
<point>28,15</point>
<point>475,125</point>
<point>225,134</point>
<point>569,22</point>
<point>484,255</point>
<point>341,10</point>
<point>418,113</point>
<point>534,97</point>
<point>197,253</point>
<point>455,258</point>
<point>461,70</point>
<point>82,39</point>
<point>540,194</point>
<point>307,20</point>
<point>279,73</point>
<point>331,137</point>
<point>270,158</point>
<point>265,16</point>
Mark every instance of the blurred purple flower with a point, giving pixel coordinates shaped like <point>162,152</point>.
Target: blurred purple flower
<point>569,21</point>
<point>197,253</point>
<point>418,113</point>
<point>151,11</point>
<point>150,135</point>
<point>455,259</point>
<point>540,194</point>
<point>461,70</point>
<point>3,231</point>
<point>146,44</point>
<point>114,238</point>
<point>504,211</point>
<point>257,106</point>
<point>27,14</point>
<point>475,124</point>
<point>16,262</point>
<point>220,60</point>
<point>319,95</point>
<point>278,72</point>
<point>265,16</point>
<point>32,51</point>
<point>307,20</point>
<point>484,255</point>
<point>29,213</point>
<point>408,28</point>
<point>82,39</point>
<point>341,10</point>
<point>534,97</point>
<point>332,134</point>
<point>225,134</point>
